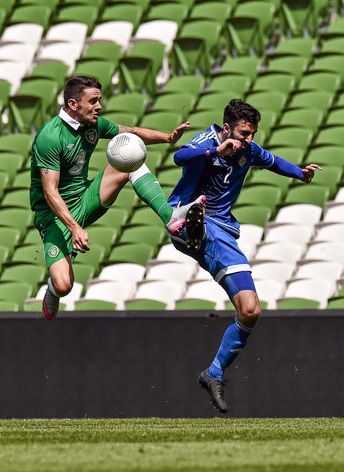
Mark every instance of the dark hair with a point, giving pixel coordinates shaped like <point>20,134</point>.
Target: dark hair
<point>238,110</point>
<point>75,87</point>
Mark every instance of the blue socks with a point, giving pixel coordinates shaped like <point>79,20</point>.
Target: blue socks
<point>233,341</point>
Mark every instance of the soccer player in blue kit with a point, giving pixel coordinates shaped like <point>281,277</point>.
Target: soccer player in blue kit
<point>215,163</point>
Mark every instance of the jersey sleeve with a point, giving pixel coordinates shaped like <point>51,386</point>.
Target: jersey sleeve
<point>47,151</point>
<point>107,129</point>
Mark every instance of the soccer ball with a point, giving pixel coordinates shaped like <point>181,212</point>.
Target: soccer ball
<point>126,152</point>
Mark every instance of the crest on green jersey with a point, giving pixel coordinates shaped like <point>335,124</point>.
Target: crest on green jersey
<point>91,135</point>
<point>53,251</point>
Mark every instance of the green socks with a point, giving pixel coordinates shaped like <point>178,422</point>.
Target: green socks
<point>148,189</point>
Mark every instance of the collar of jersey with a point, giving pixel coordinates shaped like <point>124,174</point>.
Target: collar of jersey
<point>69,120</point>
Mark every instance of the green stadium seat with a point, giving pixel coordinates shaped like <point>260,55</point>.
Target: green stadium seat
<point>297,304</point>
<point>16,198</point>
<point>20,218</point>
<point>296,46</point>
<point>213,11</point>
<point>145,216</point>
<point>9,306</point>
<point>187,83</point>
<point>313,194</point>
<point>145,305</point>
<point>292,136</point>
<point>102,236</point>
<point>15,292</point>
<point>122,12</point>
<point>181,103</point>
<point>53,70</point>
<point>86,14</point>
<point>293,65</point>
<point>29,254</point>
<point>152,235</point>
<point>127,103</point>
<point>329,136</point>
<point>281,82</point>
<point>94,305</point>
<point>100,69</point>
<point>4,182</point>
<point>301,18</point>
<point>252,214</point>
<point>197,304</point>
<point>310,118</point>
<point>9,237</point>
<point>16,144</point>
<point>177,12</point>
<point>326,155</point>
<point>262,195</point>
<point>37,14</point>
<point>138,253</point>
<point>28,274</point>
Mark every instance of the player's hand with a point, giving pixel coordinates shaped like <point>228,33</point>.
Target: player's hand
<point>80,239</point>
<point>229,147</point>
<point>308,172</point>
<point>177,133</point>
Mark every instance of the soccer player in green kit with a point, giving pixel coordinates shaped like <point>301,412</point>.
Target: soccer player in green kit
<point>65,201</point>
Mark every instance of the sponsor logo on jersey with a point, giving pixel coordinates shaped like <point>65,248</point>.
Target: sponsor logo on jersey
<point>80,162</point>
<point>91,135</point>
<point>53,251</point>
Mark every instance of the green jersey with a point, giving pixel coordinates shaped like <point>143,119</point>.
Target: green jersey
<point>65,145</point>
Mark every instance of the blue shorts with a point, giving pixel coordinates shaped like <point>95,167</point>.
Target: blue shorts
<point>220,256</point>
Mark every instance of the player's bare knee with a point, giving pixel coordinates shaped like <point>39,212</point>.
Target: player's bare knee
<point>250,315</point>
<point>63,286</point>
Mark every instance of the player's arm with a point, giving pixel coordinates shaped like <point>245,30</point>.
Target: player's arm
<point>50,181</point>
<point>151,136</point>
<point>289,169</point>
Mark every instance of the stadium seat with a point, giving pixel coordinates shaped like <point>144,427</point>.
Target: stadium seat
<point>128,272</point>
<point>110,291</point>
<point>300,213</point>
<point>163,31</point>
<point>119,32</point>
<point>317,80</point>
<point>276,101</point>
<point>269,291</point>
<point>181,103</point>
<point>301,18</point>
<point>175,271</point>
<point>94,305</point>
<point>30,274</point>
<point>291,136</point>
<point>161,121</point>
<point>215,11</point>
<point>329,136</point>
<point>295,233</point>
<point>325,270</point>
<point>144,305</point>
<point>252,214</point>
<point>25,33</point>
<point>196,48</point>
<point>272,270</point>
<point>281,82</point>
<point>160,290</point>
<point>29,254</point>
<point>333,212</point>
<point>326,155</point>
<point>15,292</point>
<point>297,303</point>
<point>312,289</point>
<point>312,194</point>
<point>293,65</point>
<point>37,14</point>
<point>197,304</point>
<point>122,12</point>
<point>106,51</point>
<point>86,14</point>
<point>53,70</point>
<point>329,232</point>
<point>259,177</point>
<point>331,251</point>
<point>296,46</point>
<point>113,218</point>
<point>309,118</point>
<point>137,253</point>
<point>102,70</point>
<point>250,28</point>
<point>330,63</point>
<point>279,251</point>
<point>207,290</point>
<point>152,235</point>
<point>261,195</point>
<point>19,218</point>
<point>68,53</point>
<point>73,32</point>
<point>37,93</point>
<point>9,306</point>
<point>169,253</point>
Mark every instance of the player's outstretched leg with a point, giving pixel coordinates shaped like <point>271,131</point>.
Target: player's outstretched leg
<point>194,223</point>
<point>50,305</point>
<point>179,214</point>
<point>215,388</point>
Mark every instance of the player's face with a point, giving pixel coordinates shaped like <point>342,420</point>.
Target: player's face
<point>244,132</point>
<point>86,109</point>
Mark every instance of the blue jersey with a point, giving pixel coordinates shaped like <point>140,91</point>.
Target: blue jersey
<point>220,179</point>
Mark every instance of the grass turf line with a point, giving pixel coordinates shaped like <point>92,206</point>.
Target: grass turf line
<point>250,445</point>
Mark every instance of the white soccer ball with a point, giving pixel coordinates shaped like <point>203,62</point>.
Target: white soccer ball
<point>126,152</point>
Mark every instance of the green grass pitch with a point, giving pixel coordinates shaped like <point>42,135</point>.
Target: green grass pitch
<point>152,444</point>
